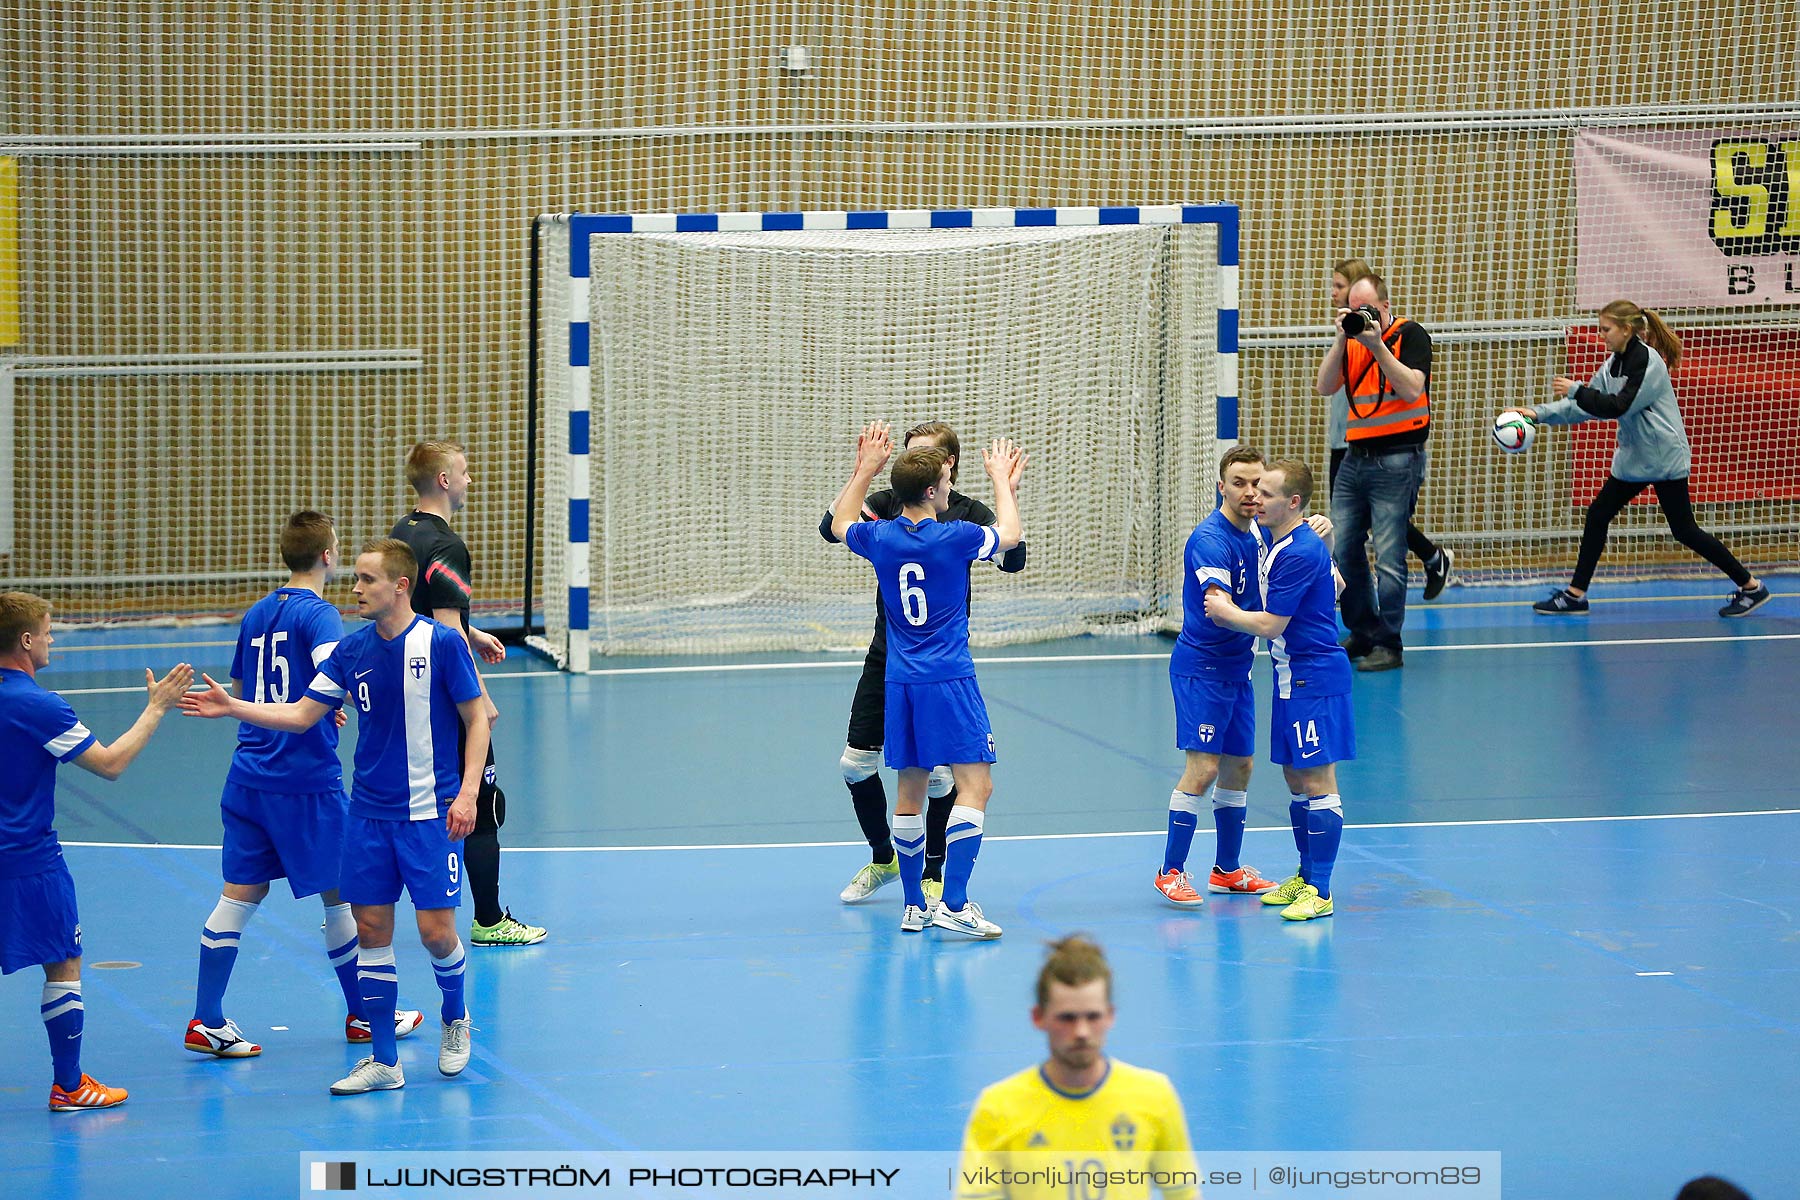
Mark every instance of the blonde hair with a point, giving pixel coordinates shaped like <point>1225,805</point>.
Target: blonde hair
<point>1073,961</point>
<point>1648,324</point>
<point>427,461</point>
<point>20,613</point>
<point>1352,269</point>
<point>397,560</point>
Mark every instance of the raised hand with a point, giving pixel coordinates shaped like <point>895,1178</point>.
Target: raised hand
<point>874,446</point>
<point>1003,459</point>
<point>166,693</point>
<point>215,701</point>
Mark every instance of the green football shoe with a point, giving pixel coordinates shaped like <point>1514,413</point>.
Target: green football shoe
<point>1307,905</point>
<point>1285,892</point>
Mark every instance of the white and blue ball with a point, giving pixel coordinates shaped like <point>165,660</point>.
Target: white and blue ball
<point>1513,431</point>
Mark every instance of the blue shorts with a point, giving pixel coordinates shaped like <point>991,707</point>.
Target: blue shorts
<point>934,724</point>
<point>274,835</point>
<point>1214,715</point>
<point>38,921</point>
<point>1311,731</point>
<point>380,856</point>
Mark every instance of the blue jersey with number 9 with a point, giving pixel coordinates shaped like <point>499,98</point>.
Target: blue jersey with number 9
<point>283,639</point>
<point>922,569</point>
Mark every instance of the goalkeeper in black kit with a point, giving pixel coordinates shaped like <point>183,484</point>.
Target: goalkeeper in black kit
<point>861,761</point>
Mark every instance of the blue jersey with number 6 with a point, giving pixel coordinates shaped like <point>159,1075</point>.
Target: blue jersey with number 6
<point>284,638</point>
<point>922,569</point>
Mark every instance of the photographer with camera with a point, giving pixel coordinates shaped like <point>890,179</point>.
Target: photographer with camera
<point>1383,365</point>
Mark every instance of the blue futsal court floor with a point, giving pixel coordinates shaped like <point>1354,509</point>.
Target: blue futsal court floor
<point>1565,920</point>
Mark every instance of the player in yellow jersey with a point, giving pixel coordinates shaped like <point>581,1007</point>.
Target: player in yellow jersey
<point>1079,1124</point>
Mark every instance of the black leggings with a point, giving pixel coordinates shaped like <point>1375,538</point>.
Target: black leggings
<point>1678,511</point>
<point>1421,546</point>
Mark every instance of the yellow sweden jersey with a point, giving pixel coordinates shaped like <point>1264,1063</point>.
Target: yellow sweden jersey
<point>1026,1139</point>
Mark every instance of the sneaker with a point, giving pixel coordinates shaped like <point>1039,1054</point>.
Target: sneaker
<point>87,1094</point>
<point>1356,647</point>
<point>967,920</point>
<point>1178,889</point>
<point>1743,602</point>
<point>369,1076</point>
<point>1561,604</point>
<point>915,918</point>
<point>507,932</point>
<point>1439,576</point>
<point>453,1047</point>
<point>1244,880</point>
<point>356,1030</point>
<point>222,1041</point>
<point>1307,905</point>
<point>1285,892</point>
<point>871,879</point>
<point>1381,658</point>
<point>934,893</point>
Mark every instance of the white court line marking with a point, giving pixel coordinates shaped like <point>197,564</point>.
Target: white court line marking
<point>1441,604</point>
<point>1652,974</point>
<point>1048,658</point>
<point>1059,837</point>
<point>1002,660</point>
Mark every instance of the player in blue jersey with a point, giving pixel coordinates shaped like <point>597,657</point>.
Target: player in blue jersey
<point>412,801</point>
<point>1311,725</point>
<point>1215,706</point>
<point>283,804</point>
<point>934,712</point>
<point>861,760</point>
<point>39,924</point>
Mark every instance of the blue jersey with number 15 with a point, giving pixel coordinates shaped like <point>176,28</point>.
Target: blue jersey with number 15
<point>284,638</point>
<point>922,569</point>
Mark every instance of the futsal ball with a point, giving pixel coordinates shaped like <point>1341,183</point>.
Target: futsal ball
<point>1513,431</point>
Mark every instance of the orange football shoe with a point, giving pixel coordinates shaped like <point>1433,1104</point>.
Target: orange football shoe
<point>1244,881</point>
<point>1178,890</point>
<point>87,1094</point>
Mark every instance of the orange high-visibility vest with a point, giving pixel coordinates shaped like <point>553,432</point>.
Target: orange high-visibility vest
<point>1375,410</point>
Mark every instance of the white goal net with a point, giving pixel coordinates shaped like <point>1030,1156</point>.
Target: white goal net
<point>728,375</point>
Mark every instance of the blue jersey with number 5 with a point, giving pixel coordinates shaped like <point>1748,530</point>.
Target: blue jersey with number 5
<point>923,572</point>
<point>284,638</point>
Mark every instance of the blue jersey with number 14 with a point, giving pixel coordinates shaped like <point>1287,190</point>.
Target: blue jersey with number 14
<point>284,638</point>
<point>922,569</point>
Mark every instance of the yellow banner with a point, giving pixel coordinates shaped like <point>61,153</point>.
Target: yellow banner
<point>9,251</point>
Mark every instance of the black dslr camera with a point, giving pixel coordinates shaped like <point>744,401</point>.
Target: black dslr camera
<point>1360,320</point>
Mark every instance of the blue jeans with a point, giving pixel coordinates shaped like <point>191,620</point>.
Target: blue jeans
<point>1374,498</point>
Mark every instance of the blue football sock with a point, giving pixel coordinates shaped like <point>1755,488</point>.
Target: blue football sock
<point>1184,816</point>
<point>1229,810</point>
<point>1325,829</point>
<point>449,971</point>
<point>1297,818</point>
<point>218,954</point>
<point>962,842</point>
<point>340,947</point>
<point>62,1012</point>
<point>909,840</point>
<point>380,996</point>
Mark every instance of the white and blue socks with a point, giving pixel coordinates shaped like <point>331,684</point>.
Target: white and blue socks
<point>340,948</point>
<point>63,1017</point>
<point>1324,830</point>
<point>380,996</point>
<point>1184,817</point>
<point>449,972</point>
<point>1297,819</point>
<point>962,842</point>
<point>218,954</point>
<point>909,840</point>
<point>1229,810</point>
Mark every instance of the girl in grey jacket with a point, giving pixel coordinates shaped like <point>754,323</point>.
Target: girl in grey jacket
<point>1633,388</point>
